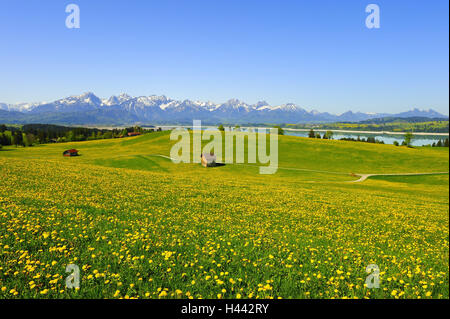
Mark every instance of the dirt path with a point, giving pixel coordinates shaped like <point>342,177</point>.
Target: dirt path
<point>257,166</point>
<point>363,177</point>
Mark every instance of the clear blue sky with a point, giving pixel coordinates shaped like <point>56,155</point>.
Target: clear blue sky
<point>317,54</point>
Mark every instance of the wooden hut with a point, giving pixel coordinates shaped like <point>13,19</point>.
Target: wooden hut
<point>72,152</point>
<point>134,133</point>
<point>208,160</point>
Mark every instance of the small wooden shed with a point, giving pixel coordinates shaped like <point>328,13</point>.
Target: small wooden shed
<point>72,152</point>
<point>134,133</point>
<point>208,160</point>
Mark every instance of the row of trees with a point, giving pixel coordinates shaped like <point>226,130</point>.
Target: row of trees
<point>407,140</point>
<point>327,136</point>
<point>392,124</point>
<point>238,128</point>
<point>16,138</point>
<point>31,134</point>
<point>440,143</point>
<point>369,139</point>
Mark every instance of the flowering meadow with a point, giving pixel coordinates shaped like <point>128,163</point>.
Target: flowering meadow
<point>139,226</point>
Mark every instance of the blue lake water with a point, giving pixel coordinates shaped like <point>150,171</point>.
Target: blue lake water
<point>418,140</point>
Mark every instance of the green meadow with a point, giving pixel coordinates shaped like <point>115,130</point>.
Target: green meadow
<point>140,226</point>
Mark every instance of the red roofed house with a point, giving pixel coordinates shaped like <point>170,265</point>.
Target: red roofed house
<point>72,152</point>
<point>134,133</point>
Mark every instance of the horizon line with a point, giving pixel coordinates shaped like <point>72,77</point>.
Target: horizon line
<point>413,108</point>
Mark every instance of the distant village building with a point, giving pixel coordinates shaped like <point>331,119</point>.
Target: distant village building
<point>208,160</point>
<point>134,133</point>
<point>72,152</point>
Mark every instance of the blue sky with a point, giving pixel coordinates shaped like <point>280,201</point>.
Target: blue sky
<point>317,54</point>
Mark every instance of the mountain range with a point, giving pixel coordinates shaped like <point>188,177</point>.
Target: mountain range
<point>88,109</point>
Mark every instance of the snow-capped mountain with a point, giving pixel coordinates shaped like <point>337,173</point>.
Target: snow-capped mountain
<point>21,107</point>
<point>115,100</point>
<point>125,109</point>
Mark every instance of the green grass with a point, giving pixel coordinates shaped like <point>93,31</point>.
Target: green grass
<point>294,152</point>
<point>441,180</point>
<point>117,210</point>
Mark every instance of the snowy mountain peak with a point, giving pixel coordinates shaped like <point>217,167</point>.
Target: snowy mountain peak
<point>124,96</point>
<point>87,94</point>
<point>290,107</point>
<point>113,100</point>
<point>126,109</point>
<point>85,98</point>
<point>233,102</point>
<point>116,100</point>
<point>261,104</point>
<point>234,105</point>
<point>20,107</point>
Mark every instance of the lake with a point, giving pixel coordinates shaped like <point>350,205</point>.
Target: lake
<point>418,140</point>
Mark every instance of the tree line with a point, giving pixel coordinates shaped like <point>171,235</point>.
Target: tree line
<point>415,124</point>
<point>369,139</point>
<point>327,136</point>
<point>408,138</point>
<point>31,134</point>
<point>443,143</point>
<point>238,128</point>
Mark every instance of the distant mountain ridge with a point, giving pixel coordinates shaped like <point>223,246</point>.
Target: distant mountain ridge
<point>123,109</point>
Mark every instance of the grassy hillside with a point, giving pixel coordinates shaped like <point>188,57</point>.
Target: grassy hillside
<point>341,157</point>
<point>140,226</point>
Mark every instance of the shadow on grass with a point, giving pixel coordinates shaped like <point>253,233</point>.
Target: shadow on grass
<point>216,165</point>
<point>219,164</point>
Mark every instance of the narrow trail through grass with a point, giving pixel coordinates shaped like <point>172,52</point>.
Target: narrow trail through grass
<point>362,178</point>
